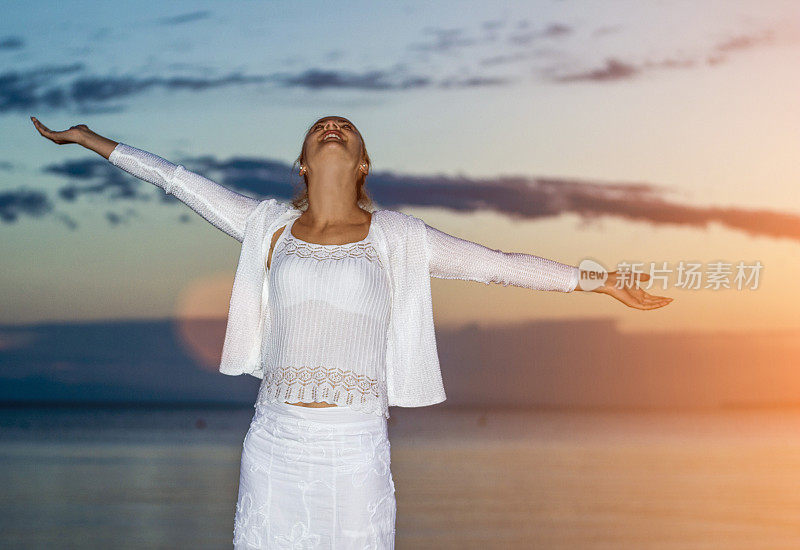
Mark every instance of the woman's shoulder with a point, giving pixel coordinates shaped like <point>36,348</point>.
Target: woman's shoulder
<point>274,206</point>
<point>394,217</point>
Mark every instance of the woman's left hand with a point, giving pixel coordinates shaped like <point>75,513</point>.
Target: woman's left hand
<point>625,289</point>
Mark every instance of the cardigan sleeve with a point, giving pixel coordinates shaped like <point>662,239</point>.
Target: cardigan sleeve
<point>223,208</point>
<point>455,258</point>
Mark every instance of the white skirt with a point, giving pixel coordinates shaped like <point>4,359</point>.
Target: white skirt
<point>315,478</point>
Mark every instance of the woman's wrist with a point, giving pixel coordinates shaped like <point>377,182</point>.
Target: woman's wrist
<point>95,142</point>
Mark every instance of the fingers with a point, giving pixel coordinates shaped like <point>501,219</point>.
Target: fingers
<point>654,304</point>
<point>44,130</point>
<point>644,301</point>
<point>55,137</point>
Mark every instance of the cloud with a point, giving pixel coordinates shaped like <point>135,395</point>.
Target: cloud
<point>59,87</point>
<point>473,82</point>
<point>519,197</point>
<point>24,90</point>
<point>27,90</point>
<point>115,218</point>
<point>445,41</point>
<point>19,202</point>
<point>185,18</point>
<point>553,30</point>
<point>745,41</point>
<point>11,43</point>
<point>316,79</point>
<point>103,179</point>
<point>106,88</point>
<point>615,69</point>
<point>532,198</point>
<point>737,43</point>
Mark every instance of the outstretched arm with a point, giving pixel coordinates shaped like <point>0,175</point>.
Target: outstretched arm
<point>455,258</point>
<point>222,207</point>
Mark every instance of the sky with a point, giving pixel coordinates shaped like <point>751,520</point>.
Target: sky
<point>631,132</point>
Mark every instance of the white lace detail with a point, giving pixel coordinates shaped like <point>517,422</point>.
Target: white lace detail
<point>310,484</point>
<point>360,249</point>
<point>329,384</point>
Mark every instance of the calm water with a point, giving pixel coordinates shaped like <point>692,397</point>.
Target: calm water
<point>127,478</point>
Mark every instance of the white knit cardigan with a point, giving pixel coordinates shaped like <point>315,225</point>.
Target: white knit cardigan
<point>413,375</point>
<point>411,250</point>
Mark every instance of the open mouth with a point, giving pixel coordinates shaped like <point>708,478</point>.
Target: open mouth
<point>332,136</point>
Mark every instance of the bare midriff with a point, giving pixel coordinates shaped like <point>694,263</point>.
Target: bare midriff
<point>313,404</point>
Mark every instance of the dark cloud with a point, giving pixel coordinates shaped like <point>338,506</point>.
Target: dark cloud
<point>745,41</point>
<point>473,82</point>
<point>741,42</point>
<point>531,198</point>
<point>101,177</point>
<point>556,29</point>
<point>254,177</point>
<point>11,43</point>
<point>185,18</point>
<point>88,93</point>
<point>24,90</point>
<point>115,218</point>
<point>613,69</point>
<point>106,88</point>
<point>19,202</point>
<point>316,79</point>
<point>519,197</point>
<point>5,165</point>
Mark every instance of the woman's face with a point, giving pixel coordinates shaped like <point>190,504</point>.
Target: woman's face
<point>333,139</point>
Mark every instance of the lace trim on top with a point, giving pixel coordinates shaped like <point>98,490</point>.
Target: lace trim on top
<point>329,384</point>
<point>360,249</point>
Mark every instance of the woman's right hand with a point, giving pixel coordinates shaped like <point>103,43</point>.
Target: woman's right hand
<point>74,134</point>
<point>80,134</point>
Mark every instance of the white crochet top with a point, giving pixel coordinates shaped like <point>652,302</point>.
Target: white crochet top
<point>358,281</point>
<point>329,308</point>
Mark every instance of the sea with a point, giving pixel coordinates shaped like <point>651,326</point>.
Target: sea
<point>157,476</point>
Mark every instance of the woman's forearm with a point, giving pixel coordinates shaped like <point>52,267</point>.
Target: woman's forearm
<point>456,258</point>
<point>95,142</point>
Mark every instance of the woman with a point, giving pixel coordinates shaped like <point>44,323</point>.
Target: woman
<point>331,308</point>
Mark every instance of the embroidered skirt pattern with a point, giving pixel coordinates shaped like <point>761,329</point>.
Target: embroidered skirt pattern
<point>315,478</point>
